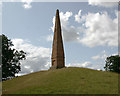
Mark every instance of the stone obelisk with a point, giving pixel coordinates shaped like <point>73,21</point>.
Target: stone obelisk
<point>58,57</point>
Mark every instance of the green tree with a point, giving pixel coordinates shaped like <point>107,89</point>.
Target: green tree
<point>10,59</point>
<point>113,64</point>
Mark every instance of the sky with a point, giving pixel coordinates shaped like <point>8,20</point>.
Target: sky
<point>89,30</point>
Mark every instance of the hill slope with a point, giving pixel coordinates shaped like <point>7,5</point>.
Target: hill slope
<point>64,81</point>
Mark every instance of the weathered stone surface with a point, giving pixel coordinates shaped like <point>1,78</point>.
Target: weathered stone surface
<point>58,58</point>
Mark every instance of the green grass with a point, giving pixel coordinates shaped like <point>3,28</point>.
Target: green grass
<point>64,81</point>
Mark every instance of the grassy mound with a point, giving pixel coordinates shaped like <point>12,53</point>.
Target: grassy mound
<point>64,81</point>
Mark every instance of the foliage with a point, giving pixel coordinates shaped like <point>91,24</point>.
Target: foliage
<point>113,64</point>
<point>10,58</point>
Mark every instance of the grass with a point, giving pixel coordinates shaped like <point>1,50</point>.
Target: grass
<point>64,81</point>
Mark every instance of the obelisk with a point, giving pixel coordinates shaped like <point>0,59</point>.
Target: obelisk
<point>58,57</point>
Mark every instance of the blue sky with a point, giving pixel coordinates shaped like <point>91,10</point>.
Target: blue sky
<point>90,32</point>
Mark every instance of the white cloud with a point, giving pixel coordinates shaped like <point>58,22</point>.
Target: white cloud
<point>27,4</point>
<point>103,55</point>
<point>96,57</point>
<point>69,33</point>
<point>37,58</point>
<point>77,16</point>
<point>100,59</point>
<point>96,29</point>
<point>84,64</point>
<point>49,37</point>
<point>100,30</point>
<point>103,3</point>
<point>63,18</point>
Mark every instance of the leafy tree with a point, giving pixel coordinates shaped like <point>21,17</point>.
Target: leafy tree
<point>113,64</point>
<point>10,58</point>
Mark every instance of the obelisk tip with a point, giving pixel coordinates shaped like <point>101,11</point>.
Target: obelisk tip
<point>57,10</point>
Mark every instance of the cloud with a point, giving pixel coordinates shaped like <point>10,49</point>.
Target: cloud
<point>102,56</point>
<point>84,64</point>
<point>100,59</point>
<point>49,37</point>
<point>63,18</point>
<point>27,4</point>
<point>96,29</point>
<point>69,32</point>
<point>100,30</point>
<point>103,3</point>
<point>77,16</point>
<point>96,57</point>
<point>37,58</point>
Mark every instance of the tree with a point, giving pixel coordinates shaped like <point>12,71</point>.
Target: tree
<point>113,64</point>
<point>10,58</point>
